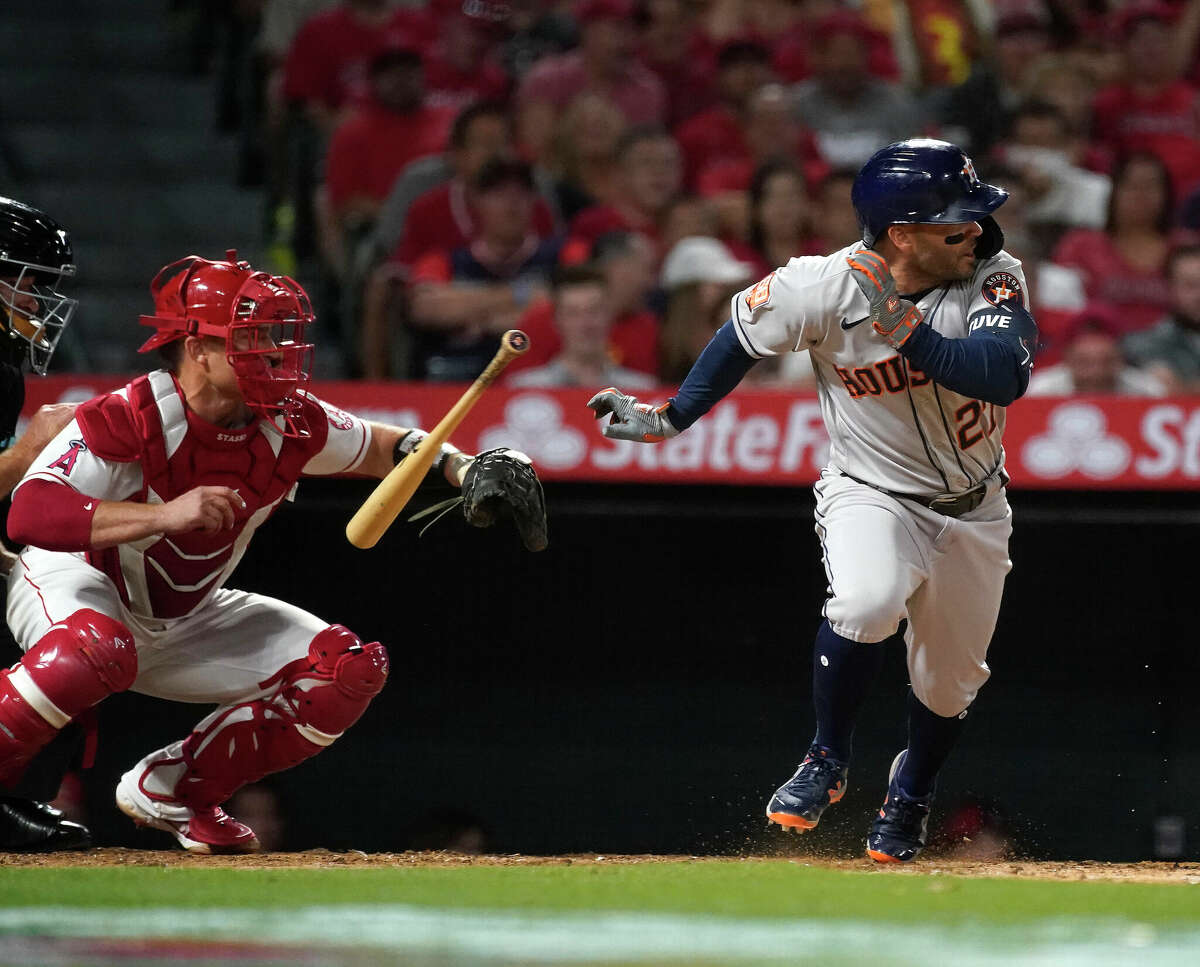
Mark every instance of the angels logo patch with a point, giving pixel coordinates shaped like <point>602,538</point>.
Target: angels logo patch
<point>1002,286</point>
<point>66,463</point>
<point>339,419</point>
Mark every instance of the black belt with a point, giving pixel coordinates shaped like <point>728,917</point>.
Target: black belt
<point>951,505</point>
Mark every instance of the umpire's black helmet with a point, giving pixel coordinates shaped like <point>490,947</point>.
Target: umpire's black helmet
<point>35,257</point>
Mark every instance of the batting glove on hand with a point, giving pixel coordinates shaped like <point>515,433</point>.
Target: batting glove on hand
<point>892,317</point>
<point>630,419</point>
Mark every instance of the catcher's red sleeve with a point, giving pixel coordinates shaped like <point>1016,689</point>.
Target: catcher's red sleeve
<point>52,516</point>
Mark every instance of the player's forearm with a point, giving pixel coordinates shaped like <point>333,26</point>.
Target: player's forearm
<point>121,521</point>
<point>13,464</point>
<point>18,458</point>
<point>55,517</point>
<point>719,369</point>
<point>983,367</point>
<point>389,446</point>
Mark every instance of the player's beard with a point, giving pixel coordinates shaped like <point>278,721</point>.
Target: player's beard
<point>945,263</point>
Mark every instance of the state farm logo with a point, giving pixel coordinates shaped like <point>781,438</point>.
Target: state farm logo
<point>1077,440</point>
<point>534,425</point>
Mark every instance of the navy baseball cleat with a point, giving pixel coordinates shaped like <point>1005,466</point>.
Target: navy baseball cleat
<point>818,783</point>
<point>899,831</point>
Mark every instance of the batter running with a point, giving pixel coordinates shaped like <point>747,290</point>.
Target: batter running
<point>920,336</point>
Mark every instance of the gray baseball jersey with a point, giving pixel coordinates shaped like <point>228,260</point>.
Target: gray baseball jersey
<point>889,424</point>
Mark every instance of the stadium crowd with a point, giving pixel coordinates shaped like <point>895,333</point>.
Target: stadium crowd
<point>604,174</point>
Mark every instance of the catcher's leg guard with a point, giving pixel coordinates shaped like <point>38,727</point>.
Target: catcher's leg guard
<point>77,663</point>
<point>317,698</point>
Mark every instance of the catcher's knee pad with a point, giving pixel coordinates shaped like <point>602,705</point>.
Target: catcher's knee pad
<point>317,699</point>
<point>76,664</point>
<point>342,677</point>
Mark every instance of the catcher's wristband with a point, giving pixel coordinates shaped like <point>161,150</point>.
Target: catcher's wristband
<point>408,443</point>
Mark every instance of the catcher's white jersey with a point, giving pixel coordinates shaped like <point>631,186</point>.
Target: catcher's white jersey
<point>889,424</point>
<point>163,577</point>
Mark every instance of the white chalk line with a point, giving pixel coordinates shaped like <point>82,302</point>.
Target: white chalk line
<point>584,938</point>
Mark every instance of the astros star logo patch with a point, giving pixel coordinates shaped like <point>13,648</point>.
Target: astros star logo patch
<point>1002,286</point>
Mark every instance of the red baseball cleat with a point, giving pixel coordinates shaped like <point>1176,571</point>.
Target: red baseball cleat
<point>202,831</point>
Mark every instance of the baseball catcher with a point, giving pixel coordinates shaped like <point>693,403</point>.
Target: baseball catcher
<point>139,510</point>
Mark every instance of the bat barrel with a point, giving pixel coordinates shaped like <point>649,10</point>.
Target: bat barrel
<point>380,509</point>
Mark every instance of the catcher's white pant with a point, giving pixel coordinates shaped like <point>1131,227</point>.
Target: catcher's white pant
<point>889,559</point>
<point>219,654</point>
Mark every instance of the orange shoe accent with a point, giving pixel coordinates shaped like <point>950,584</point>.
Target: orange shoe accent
<point>879,857</point>
<point>836,793</point>
<point>787,820</point>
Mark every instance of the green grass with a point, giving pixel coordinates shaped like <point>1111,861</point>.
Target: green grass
<point>755,889</point>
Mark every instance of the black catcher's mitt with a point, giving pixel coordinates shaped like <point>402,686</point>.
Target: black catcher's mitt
<point>502,483</point>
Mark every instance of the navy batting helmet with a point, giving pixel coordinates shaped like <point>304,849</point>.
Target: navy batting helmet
<point>925,182</point>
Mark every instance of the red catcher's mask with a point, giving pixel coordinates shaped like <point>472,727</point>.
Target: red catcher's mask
<point>261,317</point>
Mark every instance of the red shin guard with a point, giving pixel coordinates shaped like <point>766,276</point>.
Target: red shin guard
<point>317,699</point>
<point>76,664</point>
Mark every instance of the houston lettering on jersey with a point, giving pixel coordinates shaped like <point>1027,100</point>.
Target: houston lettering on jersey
<point>888,376</point>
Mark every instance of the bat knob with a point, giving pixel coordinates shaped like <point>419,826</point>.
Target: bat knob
<point>516,341</point>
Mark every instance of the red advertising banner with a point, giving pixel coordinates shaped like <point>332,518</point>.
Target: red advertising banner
<point>764,437</point>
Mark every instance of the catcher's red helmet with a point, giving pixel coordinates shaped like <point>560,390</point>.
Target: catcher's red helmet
<point>261,317</point>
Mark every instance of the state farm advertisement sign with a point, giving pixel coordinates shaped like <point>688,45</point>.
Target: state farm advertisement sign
<point>764,437</point>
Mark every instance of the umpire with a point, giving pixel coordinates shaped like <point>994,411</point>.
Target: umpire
<point>35,258</point>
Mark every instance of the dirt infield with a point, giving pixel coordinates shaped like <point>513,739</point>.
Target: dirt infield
<point>1183,873</point>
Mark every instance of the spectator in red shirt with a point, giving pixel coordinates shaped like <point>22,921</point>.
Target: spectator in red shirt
<point>582,316</point>
<point>649,172</point>
<point>445,216</point>
<point>431,208</point>
<point>628,263</point>
<point>717,134</point>
<point>769,134</point>
<point>780,213</point>
<point>1153,109</point>
<point>1124,265</point>
<point>462,299</point>
<point>672,48</point>
<point>459,66</point>
<point>327,64</point>
<point>604,62</point>
<point>372,146</point>
<point>583,157</point>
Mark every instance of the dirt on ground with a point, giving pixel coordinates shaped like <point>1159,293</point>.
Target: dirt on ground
<point>1183,873</point>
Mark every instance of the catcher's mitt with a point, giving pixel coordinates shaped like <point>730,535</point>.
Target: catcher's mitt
<point>503,483</point>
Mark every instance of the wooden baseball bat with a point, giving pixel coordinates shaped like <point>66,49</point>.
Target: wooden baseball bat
<point>396,489</point>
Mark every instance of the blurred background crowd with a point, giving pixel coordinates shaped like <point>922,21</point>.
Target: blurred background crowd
<point>604,174</point>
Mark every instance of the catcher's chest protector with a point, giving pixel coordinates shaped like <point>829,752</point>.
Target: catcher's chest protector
<point>168,577</point>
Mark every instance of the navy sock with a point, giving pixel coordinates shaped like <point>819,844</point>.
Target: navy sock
<point>842,672</point>
<point>930,739</point>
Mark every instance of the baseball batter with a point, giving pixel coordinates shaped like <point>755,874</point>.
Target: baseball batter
<point>137,513</point>
<point>920,336</point>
